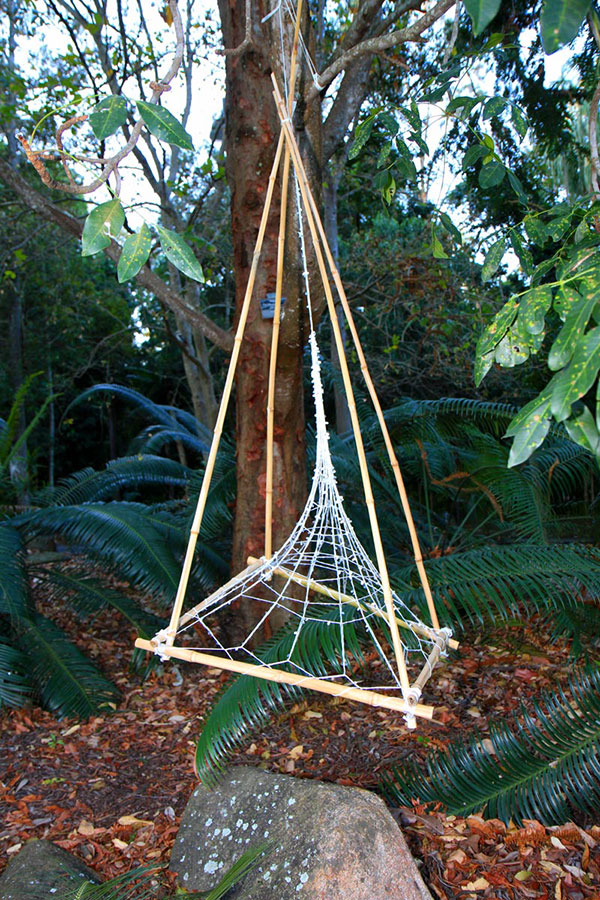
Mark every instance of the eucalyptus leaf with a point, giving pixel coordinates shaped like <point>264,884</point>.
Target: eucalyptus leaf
<point>575,324</point>
<point>177,251</point>
<point>105,220</point>
<point>134,254</point>
<point>533,307</point>
<point>491,174</point>
<point>576,380</point>
<point>482,12</point>
<point>583,431</point>
<point>108,116</point>
<point>498,327</point>
<point>493,258</point>
<point>164,126</point>
<point>560,21</point>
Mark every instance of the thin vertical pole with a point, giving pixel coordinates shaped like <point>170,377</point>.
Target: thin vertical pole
<point>418,556</point>
<point>277,311</point>
<point>210,463</point>
<point>370,502</point>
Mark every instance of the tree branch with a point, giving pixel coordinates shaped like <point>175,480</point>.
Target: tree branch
<point>146,278</point>
<point>379,44</point>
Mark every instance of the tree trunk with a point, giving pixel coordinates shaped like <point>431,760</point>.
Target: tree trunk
<point>252,130</point>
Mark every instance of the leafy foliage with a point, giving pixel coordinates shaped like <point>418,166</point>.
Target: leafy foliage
<point>542,766</point>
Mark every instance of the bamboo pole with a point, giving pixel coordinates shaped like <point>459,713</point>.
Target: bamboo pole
<point>307,682</point>
<point>418,556</point>
<point>278,292</point>
<point>381,563</point>
<point>303,580</point>
<point>195,529</point>
<point>430,663</point>
<point>204,604</point>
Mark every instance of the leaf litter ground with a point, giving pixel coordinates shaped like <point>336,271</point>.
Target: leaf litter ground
<point>112,789</point>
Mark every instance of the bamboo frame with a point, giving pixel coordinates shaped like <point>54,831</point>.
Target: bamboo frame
<point>303,580</point>
<point>408,704</point>
<point>307,682</point>
<point>362,459</point>
<point>299,165</point>
<point>277,310</point>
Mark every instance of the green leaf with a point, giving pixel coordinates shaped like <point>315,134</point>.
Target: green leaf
<point>583,431</point>
<point>519,120</point>
<point>177,251</point>
<point>361,136</point>
<point>575,324</point>
<point>451,227</point>
<point>483,364</point>
<point>482,12</point>
<point>527,439</point>
<point>467,104</point>
<point>498,327</point>
<point>473,153</point>
<point>522,251</point>
<point>536,230</point>
<point>560,21</point>
<point>567,297</point>
<point>511,351</point>
<point>557,227</point>
<point>105,220</point>
<point>108,116</point>
<point>539,405</point>
<point>491,174</point>
<point>493,258</point>
<point>134,254</point>
<point>575,381</point>
<point>533,307</point>
<point>517,186</point>
<point>163,125</point>
<point>494,106</point>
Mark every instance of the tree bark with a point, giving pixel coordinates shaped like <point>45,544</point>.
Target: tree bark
<point>252,129</point>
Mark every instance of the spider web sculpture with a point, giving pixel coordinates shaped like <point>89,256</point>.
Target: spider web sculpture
<point>321,575</point>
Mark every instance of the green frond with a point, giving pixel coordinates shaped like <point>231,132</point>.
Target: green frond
<point>137,884</point>
<point>496,582</point>
<point>246,703</point>
<point>67,682</point>
<point>14,589</point>
<point>119,534</point>
<point>127,472</point>
<point>544,767</point>
<point>15,685</point>
<point>89,596</point>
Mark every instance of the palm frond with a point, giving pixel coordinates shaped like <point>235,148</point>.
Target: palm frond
<point>15,685</point>
<point>14,588</point>
<point>544,767</point>
<point>120,534</point>
<point>89,485</point>
<point>67,682</point>
<point>133,885</point>
<point>496,582</point>
<point>246,703</point>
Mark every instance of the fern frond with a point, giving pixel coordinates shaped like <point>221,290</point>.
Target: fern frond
<point>89,485</point>
<point>15,685</point>
<point>14,589</point>
<point>544,767</point>
<point>67,682</point>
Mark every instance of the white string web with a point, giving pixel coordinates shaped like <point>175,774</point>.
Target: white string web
<point>322,576</point>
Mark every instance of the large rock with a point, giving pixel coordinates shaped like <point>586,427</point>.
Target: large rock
<point>43,870</point>
<point>329,842</point>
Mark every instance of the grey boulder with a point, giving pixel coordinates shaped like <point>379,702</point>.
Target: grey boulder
<point>41,871</point>
<point>326,842</point>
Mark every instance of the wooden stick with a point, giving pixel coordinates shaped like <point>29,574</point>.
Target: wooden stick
<point>277,311</point>
<point>372,698</point>
<point>186,617</point>
<point>381,563</point>
<point>430,662</point>
<point>344,598</point>
<point>374,398</point>
<point>189,556</point>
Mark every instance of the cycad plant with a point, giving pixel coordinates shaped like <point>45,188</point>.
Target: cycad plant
<point>492,535</point>
<point>140,542</point>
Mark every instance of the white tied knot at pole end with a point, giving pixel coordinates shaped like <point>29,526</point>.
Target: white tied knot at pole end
<point>412,697</point>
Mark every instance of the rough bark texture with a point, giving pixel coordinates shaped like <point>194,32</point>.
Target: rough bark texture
<point>251,135</point>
